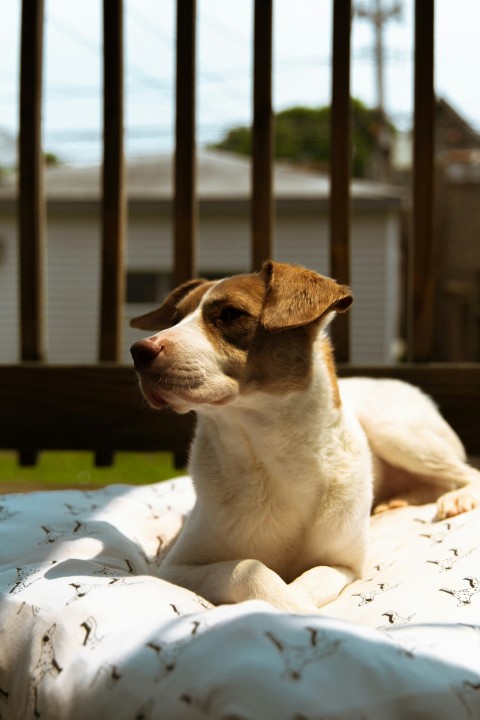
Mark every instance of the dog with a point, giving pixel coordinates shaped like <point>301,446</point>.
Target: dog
<point>286,459</point>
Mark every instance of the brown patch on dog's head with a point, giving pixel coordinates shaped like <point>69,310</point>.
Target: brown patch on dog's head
<point>230,318</point>
<point>261,328</point>
<point>296,301</point>
<point>232,310</point>
<point>297,296</point>
<point>184,299</point>
<point>279,363</point>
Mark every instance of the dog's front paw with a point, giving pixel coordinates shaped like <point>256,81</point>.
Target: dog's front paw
<point>457,502</point>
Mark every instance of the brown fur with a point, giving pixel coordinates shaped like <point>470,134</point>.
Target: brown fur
<point>332,373</point>
<point>191,301</point>
<point>268,344</point>
<point>273,362</point>
<point>284,482</point>
<point>280,362</point>
<point>297,296</point>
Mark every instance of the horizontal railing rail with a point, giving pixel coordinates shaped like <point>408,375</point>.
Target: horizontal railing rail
<point>99,407</point>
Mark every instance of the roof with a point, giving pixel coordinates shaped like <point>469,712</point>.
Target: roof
<point>220,176</point>
<point>452,130</point>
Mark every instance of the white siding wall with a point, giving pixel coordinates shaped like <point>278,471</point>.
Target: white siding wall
<point>303,240</point>
<point>149,248</point>
<point>224,244</point>
<point>73,274</point>
<point>73,265</point>
<point>149,243</point>
<point>375,284</point>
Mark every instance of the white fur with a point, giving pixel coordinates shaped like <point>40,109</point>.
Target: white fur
<point>412,444</point>
<point>281,481</point>
<point>284,481</point>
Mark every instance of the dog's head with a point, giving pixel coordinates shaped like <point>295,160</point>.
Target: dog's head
<point>217,340</point>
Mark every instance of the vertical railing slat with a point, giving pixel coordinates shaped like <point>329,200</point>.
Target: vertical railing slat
<point>31,205</point>
<point>421,265</point>
<point>114,204</point>
<point>262,213</point>
<point>114,197</point>
<point>340,153</point>
<point>185,201</point>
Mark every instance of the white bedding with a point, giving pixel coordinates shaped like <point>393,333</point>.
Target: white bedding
<point>88,631</point>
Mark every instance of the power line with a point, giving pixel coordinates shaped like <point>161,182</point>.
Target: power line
<point>152,29</point>
<point>379,15</point>
<point>237,74</point>
<point>222,29</point>
<point>94,48</point>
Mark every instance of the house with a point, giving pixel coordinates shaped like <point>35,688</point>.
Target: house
<point>8,155</point>
<point>457,326</point>
<point>456,329</point>
<point>301,236</point>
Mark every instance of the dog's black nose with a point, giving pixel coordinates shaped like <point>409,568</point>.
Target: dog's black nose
<point>143,352</point>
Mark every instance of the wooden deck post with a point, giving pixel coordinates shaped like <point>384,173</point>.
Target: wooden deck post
<point>262,217</point>
<point>114,208</point>
<point>185,201</point>
<point>114,204</point>
<point>31,205</point>
<point>340,144</point>
<point>421,261</point>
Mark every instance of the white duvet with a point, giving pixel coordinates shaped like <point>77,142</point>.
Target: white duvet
<point>88,630</point>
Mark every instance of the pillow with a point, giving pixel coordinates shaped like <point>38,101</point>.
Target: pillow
<point>88,630</point>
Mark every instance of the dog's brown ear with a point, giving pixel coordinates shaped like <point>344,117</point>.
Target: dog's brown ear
<point>167,314</point>
<point>297,296</point>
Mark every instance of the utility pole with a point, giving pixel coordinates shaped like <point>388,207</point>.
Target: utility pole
<point>378,13</point>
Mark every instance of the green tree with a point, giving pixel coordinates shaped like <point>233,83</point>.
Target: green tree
<point>302,134</point>
<point>51,159</point>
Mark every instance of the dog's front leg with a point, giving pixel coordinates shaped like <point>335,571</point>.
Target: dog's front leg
<point>323,584</point>
<point>233,581</point>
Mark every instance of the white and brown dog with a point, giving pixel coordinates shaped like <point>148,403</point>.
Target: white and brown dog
<point>285,458</point>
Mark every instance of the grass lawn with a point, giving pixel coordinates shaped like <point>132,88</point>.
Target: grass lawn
<point>77,469</point>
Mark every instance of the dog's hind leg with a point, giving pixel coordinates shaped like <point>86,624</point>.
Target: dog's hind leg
<point>431,461</point>
<point>405,429</point>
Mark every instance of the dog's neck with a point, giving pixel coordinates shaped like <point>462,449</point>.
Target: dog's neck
<point>268,437</point>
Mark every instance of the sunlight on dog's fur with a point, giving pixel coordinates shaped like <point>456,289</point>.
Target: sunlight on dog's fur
<point>286,460</point>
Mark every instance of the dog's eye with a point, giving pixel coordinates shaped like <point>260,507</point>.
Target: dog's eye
<point>229,314</point>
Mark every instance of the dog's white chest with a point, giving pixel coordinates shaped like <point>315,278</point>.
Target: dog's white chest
<point>271,495</point>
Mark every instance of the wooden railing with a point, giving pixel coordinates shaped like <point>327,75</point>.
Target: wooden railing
<point>98,407</point>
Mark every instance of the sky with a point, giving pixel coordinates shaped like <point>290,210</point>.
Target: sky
<point>72,109</point>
